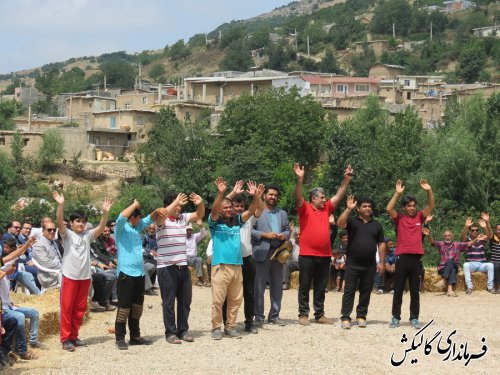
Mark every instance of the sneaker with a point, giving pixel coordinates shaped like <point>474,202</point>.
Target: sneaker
<point>68,345</point>
<point>394,323</point>
<point>286,286</point>
<point>415,323</point>
<point>140,341</point>
<point>258,323</point>
<point>232,333</point>
<point>121,345</point>
<point>468,291</point>
<point>251,329</point>
<point>323,320</point>
<point>109,307</point>
<point>150,292</point>
<point>345,324</point>
<point>79,342</point>
<point>304,320</point>
<point>361,323</point>
<point>217,334</point>
<point>392,291</point>
<point>208,284</point>
<point>199,283</point>
<point>38,345</point>
<point>277,322</point>
<point>326,290</point>
<point>27,356</point>
<point>380,291</point>
<point>95,307</point>
<point>492,291</point>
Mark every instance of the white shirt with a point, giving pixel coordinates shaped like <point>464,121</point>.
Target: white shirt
<point>192,242</point>
<point>4,292</point>
<point>294,255</point>
<point>76,258</point>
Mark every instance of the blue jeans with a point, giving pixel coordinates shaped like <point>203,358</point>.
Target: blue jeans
<point>478,267</point>
<point>25,278</point>
<point>9,323</point>
<point>20,314</point>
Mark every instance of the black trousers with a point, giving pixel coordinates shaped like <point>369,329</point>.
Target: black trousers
<point>408,267</point>
<point>357,277</point>
<point>314,270</point>
<point>496,268</point>
<point>248,272</point>
<point>102,282</point>
<point>130,292</point>
<point>175,283</point>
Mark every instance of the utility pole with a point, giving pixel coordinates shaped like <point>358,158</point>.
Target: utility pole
<point>394,30</point>
<point>206,39</point>
<point>296,48</point>
<point>308,49</point>
<point>431,31</point>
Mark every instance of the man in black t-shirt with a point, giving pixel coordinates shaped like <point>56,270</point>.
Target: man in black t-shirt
<point>366,236</point>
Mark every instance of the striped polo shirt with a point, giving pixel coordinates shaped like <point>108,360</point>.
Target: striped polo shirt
<point>171,241</point>
<point>475,253</point>
<point>495,249</point>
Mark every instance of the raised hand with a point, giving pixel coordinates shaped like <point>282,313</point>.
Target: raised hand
<point>251,188</point>
<point>195,198</point>
<point>482,223</point>
<point>136,203</point>
<point>482,237</point>
<point>299,171</point>
<point>331,219</point>
<point>351,203</point>
<point>161,212</point>
<point>468,221</point>
<point>199,222</point>
<point>106,204</point>
<point>238,187</point>
<point>426,231</point>
<point>399,187</point>
<point>428,219</point>
<point>59,198</point>
<point>221,185</point>
<point>260,190</point>
<point>425,185</point>
<point>485,216</point>
<point>348,172</point>
<point>181,199</point>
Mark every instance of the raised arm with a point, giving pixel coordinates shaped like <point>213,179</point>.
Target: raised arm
<point>427,233</point>
<point>465,229</point>
<point>348,173</point>
<point>221,190</point>
<point>486,218</point>
<point>237,190</point>
<point>200,207</point>
<point>21,249</point>
<point>392,203</point>
<point>351,205</point>
<point>106,206</point>
<point>251,190</point>
<point>430,198</point>
<point>161,214</point>
<point>256,194</point>
<point>130,209</point>
<point>59,198</point>
<point>481,237</point>
<point>299,173</point>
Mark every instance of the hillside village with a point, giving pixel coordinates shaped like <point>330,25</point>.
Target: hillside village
<point>107,122</point>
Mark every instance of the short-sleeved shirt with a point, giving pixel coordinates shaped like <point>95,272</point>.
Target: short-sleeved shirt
<point>409,234</point>
<point>129,245</point>
<point>364,238</point>
<point>475,253</point>
<point>246,236</point>
<point>76,257</point>
<point>226,241</point>
<point>171,240</point>
<point>495,249</point>
<point>315,230</point>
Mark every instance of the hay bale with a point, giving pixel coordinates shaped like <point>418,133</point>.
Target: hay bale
<point>194,279</point>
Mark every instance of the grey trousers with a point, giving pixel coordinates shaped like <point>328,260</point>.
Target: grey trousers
<point>265,271</point>
<point>197,263</point>
<point>149,270</point>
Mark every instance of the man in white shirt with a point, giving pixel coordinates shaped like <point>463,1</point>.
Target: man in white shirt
<point>193,260</point>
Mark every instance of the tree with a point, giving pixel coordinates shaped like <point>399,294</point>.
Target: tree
<point>471,61</point>
<point>8,109</point>
<point>52,149</point>
<point>279,56</point>
<point>329,64</point>
<point>118,73</point>
<point>397,12</point>
<point>16,148</point>
<point>48,83</point>
<point>157,72</point>
<point>179,51</point>
<point>237,57</point>
<point>72,80</point>
<point>8,175</point>
<point>362,63</point>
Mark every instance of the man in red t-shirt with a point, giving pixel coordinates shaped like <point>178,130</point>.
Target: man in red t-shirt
<point>409,250</point>
<point>315,246</point>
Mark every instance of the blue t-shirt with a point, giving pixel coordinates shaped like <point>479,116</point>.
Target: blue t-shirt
<point>226,241</point>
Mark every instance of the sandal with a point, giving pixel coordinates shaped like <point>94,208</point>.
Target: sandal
<point>173,339</point>
<point>28,356</point>
<point>452,294</point>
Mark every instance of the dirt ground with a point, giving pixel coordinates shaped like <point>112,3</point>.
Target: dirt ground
<point>293,349</point>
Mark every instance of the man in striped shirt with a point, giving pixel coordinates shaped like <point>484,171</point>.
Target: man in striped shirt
<point>475,260</point>
<point>495,255</point>
<point>173,273</point>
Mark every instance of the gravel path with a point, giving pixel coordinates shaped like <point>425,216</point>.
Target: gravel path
<point>293,349</point>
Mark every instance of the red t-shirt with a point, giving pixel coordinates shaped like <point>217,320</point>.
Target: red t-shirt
<point>409,234</point>
<point>315,230</point>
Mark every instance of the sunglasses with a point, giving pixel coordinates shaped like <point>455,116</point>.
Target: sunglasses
<point>474,230</point>
<point>51,230</point>
<point>16,227</point>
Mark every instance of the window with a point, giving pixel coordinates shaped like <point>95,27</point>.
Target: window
<point>406,82</point>
<point>342,88</point>
<point>363,88</point>
<point>2,141</point>
<point>145,100</point>
<point>25,141</point>
<point>127,105</point>
<point>112,122</point>
<point>90,105</point>
<point>140,120</point>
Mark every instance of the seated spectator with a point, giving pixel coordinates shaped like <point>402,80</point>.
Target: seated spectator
<point>338,263</point>
<point>8,327</point>
<point>48,258</point>
<point>149,254</point>
<point>475,260</point>
<point>111,225</point>
<point>24,278</point>
<point>390,267</point>
<point>292,263</point>
<point>495,256</point>
<point>102,249</point>
<point>193,260</point>
<point>20,314</point>
<point>450,256</point>
<point>342,249</point>
<point>26,259</point>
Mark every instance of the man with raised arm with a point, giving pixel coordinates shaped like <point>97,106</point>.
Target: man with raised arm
<point>130,270</point>
<point>227,279</point>
<point>366,237</point>
<point>76,276</point>
<point>409,249</point>
<point>315,244</point>
<point>174,276</point>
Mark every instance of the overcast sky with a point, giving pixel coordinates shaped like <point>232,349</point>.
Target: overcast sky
<point>37,32</point>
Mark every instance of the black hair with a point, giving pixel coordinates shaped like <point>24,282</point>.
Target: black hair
<point>78,215</point>
<point>272,187</point>
<point>11,223</point>
<point>408,199</point>
<point>108,223</point>
<point>365,200</point>
<point>11,242</point>
<point>137,212</point>
<point>239,199</point>
<point>342,233</point>
<point>168,199</point>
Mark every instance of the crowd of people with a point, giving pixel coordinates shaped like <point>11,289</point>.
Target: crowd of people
<point>253,247</point>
